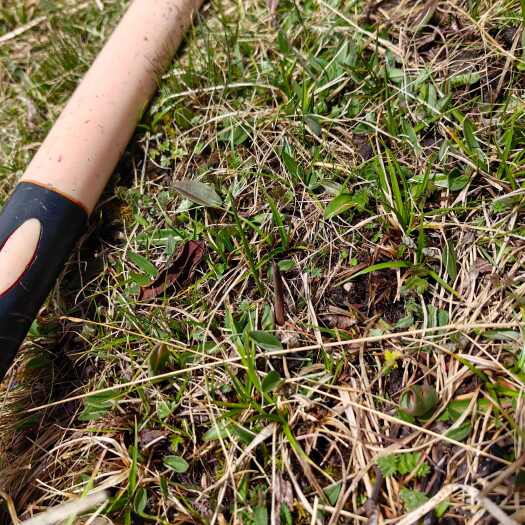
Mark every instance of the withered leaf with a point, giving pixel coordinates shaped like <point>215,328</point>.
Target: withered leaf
<point>148,436</point>
<point>178,274</point>
<point>279,304</point>
<point>481,266</point>
<point>198,192</point>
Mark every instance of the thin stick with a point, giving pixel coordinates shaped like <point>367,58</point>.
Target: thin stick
<point>67,510</point>
<point>414,516</point>
<point>22,29</point>
<point>275,353</point>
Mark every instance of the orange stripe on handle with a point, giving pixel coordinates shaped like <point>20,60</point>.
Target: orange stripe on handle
<point>65,179</point>
<point>18,253</point>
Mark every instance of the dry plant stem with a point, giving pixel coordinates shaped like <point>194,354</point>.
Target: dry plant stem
<point>21,30</point>
<point>503,475</point>
<point>490,507</point>
<point>303,103</point>
<point>68,510</point>
<point>385,337</point>
<point>10,507</point>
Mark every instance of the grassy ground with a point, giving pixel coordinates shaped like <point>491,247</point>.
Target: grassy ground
<point>352,343</point>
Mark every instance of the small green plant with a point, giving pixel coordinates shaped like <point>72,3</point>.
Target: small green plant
<point>403,464</point>
<point>412,498</point>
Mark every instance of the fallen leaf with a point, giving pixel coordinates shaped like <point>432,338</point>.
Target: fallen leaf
<point>343,322</point>
<point>279,310</point>
<point>148,436</point>
<point>481,266</point>
<point>158,358</point>
<point>198,192</point>
<point>178,274</point>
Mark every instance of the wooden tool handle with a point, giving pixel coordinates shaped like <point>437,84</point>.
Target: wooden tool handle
<point>49,209</point>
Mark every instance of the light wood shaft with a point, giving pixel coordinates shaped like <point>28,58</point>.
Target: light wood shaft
<point>81,151</point>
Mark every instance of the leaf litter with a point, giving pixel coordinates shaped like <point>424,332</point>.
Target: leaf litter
<point>178,274</point>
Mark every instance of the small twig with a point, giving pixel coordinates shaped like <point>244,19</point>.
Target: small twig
<point>414,516</point>
<point>67,510</point>
<point>371,504</point>
<point>504,474</point>
<point>434,485</point>
<point>10,507</point>
<point>336,344</point>
<point>22,29</point>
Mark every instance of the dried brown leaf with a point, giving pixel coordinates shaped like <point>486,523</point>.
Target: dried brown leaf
<point>279,304</point>
<point>148,436</point>
<point>178,274</point>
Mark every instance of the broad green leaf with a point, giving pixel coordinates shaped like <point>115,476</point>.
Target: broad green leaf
<point>502,335</point>
<point>143,263</point>
<point>460,433</point>
<point>97,405</point>
<point>520,363</point>
<point>140,501</point>
<point>286,515</point>
<point>395,74</point>
<point>450,260</point>
<point>416,283</point>
<point>360,199</point>
<point>338,205</point>
<point>332,187</point>
<point>441,508</point>
<point>470,137</point>
<point>290,164</point>
<point>260,516</point>
<point>198,192</point>
<point>163,409</point>
<point>457,183</point>
<point>313,124</point>
<point>265,340</point>
<point>140,279</point>
<point>176,463</point>
<point>332,493</point>
<point>218,431</point>
<point>409,462</point>
<point>464,79</point>
<point>271,380</point>
<point>286,265</point>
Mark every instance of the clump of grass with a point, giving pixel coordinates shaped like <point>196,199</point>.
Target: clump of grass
<point>375,155</point>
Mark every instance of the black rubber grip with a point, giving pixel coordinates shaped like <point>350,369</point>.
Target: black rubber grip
<point>62,223</point>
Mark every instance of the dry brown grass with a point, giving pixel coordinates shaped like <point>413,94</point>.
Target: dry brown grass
<point>352,344</point>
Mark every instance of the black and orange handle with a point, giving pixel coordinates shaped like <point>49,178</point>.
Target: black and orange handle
<point>49,208</point>
<point>51,224</point>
